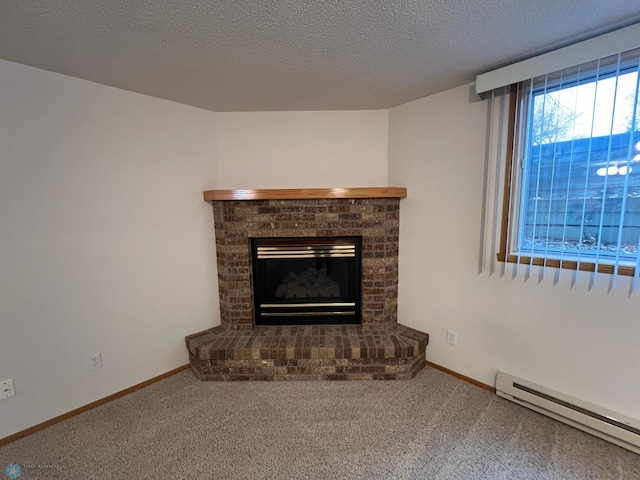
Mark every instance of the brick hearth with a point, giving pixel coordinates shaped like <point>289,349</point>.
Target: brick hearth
<point>392,352</point>
<point>237,350</point>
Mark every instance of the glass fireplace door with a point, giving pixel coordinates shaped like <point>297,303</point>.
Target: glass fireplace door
<point>307,281</point>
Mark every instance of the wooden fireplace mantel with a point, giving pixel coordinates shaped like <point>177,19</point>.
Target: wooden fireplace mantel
<point>306,193</point>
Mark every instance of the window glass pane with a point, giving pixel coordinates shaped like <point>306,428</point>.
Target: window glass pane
<point>581,173</point>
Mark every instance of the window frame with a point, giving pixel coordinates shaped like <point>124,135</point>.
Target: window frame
<point>512,203</point>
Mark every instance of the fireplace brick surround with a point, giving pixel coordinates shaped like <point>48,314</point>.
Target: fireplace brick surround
<point>380,348</point>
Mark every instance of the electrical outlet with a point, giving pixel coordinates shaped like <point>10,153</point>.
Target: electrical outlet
<point>452,337</point>
<point>7,389</point>
<point>95,361</point>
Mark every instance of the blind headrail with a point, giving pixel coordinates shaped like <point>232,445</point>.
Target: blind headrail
<point>610,43</point>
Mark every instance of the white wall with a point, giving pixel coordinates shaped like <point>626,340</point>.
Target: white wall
<point>105,242</point>
<point>302,149</point>
<point>582,342</point>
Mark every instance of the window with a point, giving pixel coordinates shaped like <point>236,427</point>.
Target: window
<point>572,184</point>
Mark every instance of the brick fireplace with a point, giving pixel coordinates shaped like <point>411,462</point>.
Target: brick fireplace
<point>379,348</point>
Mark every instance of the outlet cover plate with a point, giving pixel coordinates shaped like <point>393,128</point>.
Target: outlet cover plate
<point>7,389</point>
<point>95,361</point>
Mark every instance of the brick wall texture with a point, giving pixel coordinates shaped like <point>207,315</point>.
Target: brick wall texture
<point>375,220</point>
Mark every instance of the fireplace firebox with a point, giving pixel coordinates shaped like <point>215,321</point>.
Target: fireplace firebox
<point>307,281</point>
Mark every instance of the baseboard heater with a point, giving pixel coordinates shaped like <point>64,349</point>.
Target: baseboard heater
<point>603,423</point>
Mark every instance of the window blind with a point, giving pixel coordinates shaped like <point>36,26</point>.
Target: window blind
<point>573,185</point>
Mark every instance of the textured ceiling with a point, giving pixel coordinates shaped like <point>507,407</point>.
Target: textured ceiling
<point>231,55</point>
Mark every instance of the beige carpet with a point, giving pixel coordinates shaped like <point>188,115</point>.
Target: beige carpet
<point>432,427</point>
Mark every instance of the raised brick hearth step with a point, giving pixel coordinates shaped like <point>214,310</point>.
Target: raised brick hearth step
<point>382,352</point>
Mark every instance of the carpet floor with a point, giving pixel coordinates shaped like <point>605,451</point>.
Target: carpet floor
<point>432,427</point>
